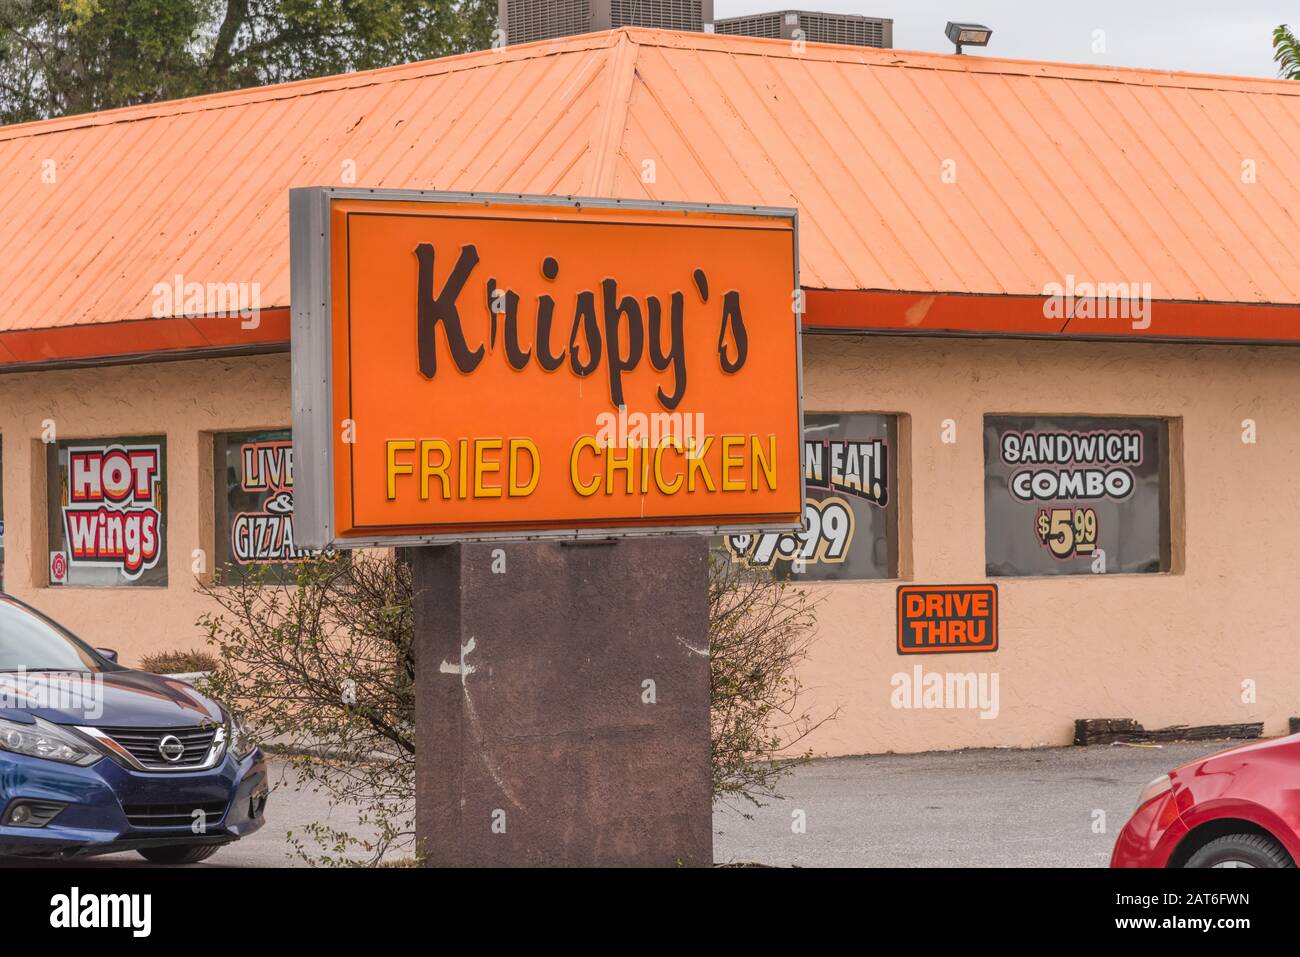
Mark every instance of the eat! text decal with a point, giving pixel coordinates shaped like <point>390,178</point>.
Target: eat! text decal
<point>836,471</point>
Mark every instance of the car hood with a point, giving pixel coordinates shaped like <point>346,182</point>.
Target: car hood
<point>1282,746</point>
<point>117,699</point>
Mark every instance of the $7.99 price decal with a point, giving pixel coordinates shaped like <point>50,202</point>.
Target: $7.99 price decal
<point>827,532</point>
<point>1067,532</point>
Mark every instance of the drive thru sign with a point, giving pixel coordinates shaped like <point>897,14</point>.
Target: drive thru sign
<point>471,367</point>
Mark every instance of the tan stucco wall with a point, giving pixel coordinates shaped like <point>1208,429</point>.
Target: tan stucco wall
<point>1164,649</point>
<point>182,400</point>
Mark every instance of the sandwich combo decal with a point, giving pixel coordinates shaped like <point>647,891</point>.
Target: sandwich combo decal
<point>484,367</point>
<point>1075,494</point>
<point>1083,467</point>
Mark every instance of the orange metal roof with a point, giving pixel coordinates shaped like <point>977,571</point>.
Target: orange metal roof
<point>1104,174</point>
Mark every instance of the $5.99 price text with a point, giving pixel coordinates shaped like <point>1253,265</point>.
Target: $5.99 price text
<point>1067,532</point>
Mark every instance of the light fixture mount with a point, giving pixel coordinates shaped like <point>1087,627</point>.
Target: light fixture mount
<point>967,34</point>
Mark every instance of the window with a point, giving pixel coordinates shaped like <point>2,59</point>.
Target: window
<point>2,520</point>
<point>1075,495</point>
<point>107,511</point>
<point>31,642</point>
<point>254,506</point>
<point>850,509</point>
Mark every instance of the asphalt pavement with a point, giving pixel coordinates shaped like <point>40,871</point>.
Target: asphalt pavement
<point>1047,807</point>
<point>1051,807</point>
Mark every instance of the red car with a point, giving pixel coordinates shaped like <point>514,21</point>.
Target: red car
<point>1237,808</point>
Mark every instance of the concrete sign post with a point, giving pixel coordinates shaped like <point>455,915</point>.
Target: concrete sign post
<point>560,399</point>
<point>561,721</point>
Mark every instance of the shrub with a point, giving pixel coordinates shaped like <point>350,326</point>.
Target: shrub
<point>322,665</point>
<point>178,662</point>
<point>760,630</point>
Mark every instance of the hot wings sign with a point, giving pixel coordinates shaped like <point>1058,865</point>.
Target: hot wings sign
<point>111,518</point>
<point>471,367</point>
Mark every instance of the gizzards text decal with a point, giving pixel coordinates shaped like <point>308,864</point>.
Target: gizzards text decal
<point>264,534</point>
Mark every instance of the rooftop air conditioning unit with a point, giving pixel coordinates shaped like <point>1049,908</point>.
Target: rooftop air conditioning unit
<point>527,20</point>
<point>813,27</point>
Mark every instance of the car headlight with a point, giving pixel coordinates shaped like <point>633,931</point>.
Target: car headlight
<point>237,740</point>
<point>1156,788</point>
<point>45,740</point>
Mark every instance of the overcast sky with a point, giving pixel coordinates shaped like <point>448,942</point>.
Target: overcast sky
<point>1205,36</point>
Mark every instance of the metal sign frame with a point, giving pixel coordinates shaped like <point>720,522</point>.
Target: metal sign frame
<point>312,364</point>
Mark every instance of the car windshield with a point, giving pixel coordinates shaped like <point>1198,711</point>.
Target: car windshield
<point>31,642</point>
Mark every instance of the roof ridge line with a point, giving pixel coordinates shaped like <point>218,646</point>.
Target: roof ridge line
<point>223,99</point>
<point>608,139</point>
<point>951,62</point>
<point>644,36</point>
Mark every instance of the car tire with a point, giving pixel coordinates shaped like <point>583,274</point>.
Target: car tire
<point>178,853</point>
<point>1241,850</point>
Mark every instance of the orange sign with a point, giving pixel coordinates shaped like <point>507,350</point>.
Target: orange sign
<point>937,619</point>
<point>470,367</point>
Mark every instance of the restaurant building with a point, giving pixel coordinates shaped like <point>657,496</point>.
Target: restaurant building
<point>1050,317</point>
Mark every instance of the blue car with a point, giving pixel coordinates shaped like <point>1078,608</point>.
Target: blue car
<point>97,758</point>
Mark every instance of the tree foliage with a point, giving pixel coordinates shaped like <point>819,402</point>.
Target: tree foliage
<point>60,57</point>
<point>321,666</point>
<point>1286,53</point>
